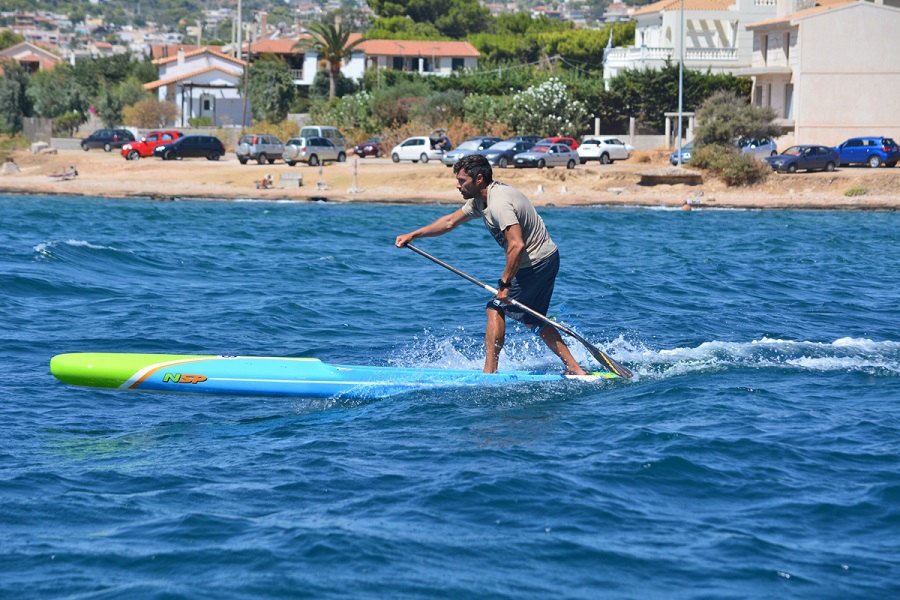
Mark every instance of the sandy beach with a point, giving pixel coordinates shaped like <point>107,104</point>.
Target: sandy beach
<point>380,180</point>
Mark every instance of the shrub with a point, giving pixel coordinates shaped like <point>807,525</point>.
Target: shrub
<point>204,121</point>
<point>151,113</point>
<point>729,165</point>
<point>547,110</point>
<point>856,191</point>
<point>283,130</point>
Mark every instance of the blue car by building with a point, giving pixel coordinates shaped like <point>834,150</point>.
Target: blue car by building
<point>873,151</point>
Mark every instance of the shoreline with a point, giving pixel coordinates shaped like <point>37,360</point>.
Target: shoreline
<point>379,181</point>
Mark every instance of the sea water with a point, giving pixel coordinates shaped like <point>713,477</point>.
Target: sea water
<point>756,453</point>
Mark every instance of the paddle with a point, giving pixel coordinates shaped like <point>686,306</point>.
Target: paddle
<point>600,356</point>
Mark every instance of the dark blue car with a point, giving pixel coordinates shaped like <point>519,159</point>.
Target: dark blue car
<point>873,151</point>
<point>804,156</point>
<point>501,154</point>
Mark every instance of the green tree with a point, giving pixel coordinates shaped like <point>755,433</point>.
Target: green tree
<point>401,28</point>
<point>454,18</point>
<point>321,86</point>
<point>56,92</point>
<point>270,89</point>
<point>333,45</point>
<point>724,117</point>
<point>14,102</point>
<point>9,38</point>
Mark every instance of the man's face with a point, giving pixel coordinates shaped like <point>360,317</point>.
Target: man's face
<point>467,186</point>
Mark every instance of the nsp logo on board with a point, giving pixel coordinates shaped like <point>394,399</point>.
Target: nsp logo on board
<point>183,378</point>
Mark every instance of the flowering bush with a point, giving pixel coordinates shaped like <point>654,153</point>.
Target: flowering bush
<point>547,110</point>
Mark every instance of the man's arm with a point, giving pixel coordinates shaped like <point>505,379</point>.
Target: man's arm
<point>515,249</point>
<point>439,227</point>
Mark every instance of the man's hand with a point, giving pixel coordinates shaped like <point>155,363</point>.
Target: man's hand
<point>403,240</point>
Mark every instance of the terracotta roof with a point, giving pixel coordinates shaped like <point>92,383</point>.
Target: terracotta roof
<point>161,82</point>
<point>199,51</point>
<point>821,5</point>
<point>286,45</point>
<point>418,48</point>
<point>675,5</point>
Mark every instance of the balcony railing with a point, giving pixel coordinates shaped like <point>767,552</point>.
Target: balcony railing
<point>644,53</point>
<point>297,74</point>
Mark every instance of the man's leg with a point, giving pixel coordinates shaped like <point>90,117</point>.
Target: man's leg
<point>555,342</point>
<point>494,337</point>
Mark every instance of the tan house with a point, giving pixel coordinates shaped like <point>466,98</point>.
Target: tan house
<point>33,58</point>
<point>822,68</point>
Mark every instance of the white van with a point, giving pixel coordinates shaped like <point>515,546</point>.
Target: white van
<point>329,133</point>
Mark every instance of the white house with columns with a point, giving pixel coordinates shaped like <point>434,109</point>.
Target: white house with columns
<point>716,37</point>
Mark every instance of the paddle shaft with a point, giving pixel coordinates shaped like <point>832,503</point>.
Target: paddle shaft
<point>598,354</point>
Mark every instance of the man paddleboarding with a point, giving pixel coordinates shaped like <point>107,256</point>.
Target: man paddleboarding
<point>532,259</point>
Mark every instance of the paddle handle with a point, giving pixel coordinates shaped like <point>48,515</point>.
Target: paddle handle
<point>598,354</point>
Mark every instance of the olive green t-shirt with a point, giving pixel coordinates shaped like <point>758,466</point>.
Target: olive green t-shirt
<point>508,206</point>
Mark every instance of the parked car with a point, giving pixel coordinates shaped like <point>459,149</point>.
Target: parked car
<point>570,142</point>
<point>542,155</point>
<point>805,156</point>
<point>418,148</point>
<point>369,148</point>
<point>758,147</point>
<point>470,146</point>
<point>502,154</point>
<point>259,147</point>
<point>686,151</point>
<point>191,146</point>
<point>531,139</point>
<point>312,150</point>
<point>107,139</point>
<point>604,149</point>
<point>331,134</point>
<point>144,147</point>
<point>873,151</point>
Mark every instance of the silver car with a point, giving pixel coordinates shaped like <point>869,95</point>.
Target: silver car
<point>547,155</point>
<point>312,150</point>
<point>259,147</point>
<point>757,147</point>
<point>469,146</point>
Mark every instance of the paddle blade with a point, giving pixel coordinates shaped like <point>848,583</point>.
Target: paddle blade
<point>610,363</point>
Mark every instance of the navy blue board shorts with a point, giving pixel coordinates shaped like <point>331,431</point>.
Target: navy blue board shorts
<point>533,287</point>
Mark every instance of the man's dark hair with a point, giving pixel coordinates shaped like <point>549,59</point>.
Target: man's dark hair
<point>474,165</point>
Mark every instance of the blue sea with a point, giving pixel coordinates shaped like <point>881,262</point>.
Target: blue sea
<point>755,454</point>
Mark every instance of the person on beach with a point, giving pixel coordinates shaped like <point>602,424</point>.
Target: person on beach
<point>532,259</point>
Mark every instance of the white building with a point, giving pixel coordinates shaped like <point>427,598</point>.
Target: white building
<point>716,37</point>
<point>203,83</point>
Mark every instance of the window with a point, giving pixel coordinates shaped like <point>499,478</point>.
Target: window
<point>167,136</point>
<point>759,96</point>
<point>787,47</point>
<point>764,48</point>
<point>153,138</point>
<point>457,63</point>
<point>398,63</point>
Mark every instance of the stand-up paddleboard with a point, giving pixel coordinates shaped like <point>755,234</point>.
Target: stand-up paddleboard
<point>264,376</point>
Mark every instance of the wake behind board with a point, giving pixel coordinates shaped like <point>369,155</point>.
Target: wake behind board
<point>270,376</point>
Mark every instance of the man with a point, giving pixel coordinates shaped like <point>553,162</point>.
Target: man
<point>532,259</point>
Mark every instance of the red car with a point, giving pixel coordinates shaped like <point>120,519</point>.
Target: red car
<point>571,143</point>
<point>144,147</point>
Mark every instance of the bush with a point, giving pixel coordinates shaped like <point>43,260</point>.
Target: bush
<point>856,191</point>
<point>150,114</point>
<point>283,130</point>
<point>204,121</point>
<point>548,110</point>
<point>730,165</point>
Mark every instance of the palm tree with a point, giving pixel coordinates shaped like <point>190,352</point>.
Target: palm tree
<point>331,43</point>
